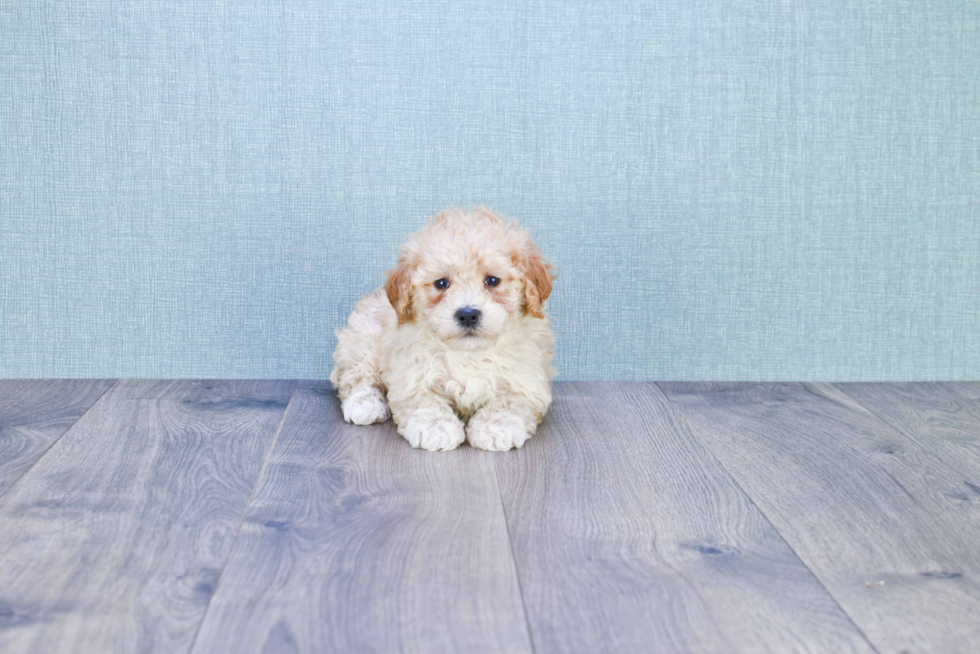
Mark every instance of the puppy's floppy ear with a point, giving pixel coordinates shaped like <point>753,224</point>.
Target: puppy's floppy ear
<point>398,287</point>
<point>538,278</point>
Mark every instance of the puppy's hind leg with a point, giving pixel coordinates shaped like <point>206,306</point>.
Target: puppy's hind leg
<point>356,372</point>
<point>365,405</point>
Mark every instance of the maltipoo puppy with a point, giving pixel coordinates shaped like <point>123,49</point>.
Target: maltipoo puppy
<point>457,345</point>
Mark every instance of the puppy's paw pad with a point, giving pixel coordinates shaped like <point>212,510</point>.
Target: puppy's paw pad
<point>366,406</point>
<point>498,431</point>
<point>436,435</point>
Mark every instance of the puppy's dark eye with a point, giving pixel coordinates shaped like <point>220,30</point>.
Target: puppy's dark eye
<point>442,284</point>
<point>491,280</point>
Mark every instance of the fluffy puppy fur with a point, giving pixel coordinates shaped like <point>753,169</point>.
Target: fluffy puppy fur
<point>445,376</point>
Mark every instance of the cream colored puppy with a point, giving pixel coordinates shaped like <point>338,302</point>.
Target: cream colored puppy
<point>457,345</point>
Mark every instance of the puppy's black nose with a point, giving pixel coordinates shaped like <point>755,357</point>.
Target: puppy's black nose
<point>468,317</point>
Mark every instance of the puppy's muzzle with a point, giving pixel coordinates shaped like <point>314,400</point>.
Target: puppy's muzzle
<point>468,317</point>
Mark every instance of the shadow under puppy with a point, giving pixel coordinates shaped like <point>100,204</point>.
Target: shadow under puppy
<point>457,343</point>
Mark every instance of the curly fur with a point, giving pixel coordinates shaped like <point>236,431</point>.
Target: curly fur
<point>404,355</point>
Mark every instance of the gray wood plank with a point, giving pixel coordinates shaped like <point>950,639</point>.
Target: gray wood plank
<point>968,390</point>
<point>630,537</point>
<point>34,413</point>
<point>934,415</point>
<point>113,541</point>
<point>355,542</point>
<point>879,519</point>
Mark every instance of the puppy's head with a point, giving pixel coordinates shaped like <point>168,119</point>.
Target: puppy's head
<point>465,275</point>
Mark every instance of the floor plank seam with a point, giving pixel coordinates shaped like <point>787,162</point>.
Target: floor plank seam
<point>872,412</point>
<point>248,505</point>
<point>766,518</point>
<point>952,467</point>
<point>954,388</point>
<point>513,558</point>
<point>57,440</point>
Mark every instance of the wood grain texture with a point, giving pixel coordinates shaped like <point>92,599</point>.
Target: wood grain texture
<point>967,390</point>
<point>113,541</point>
<point>630,537</point>
<point>34,414</point>
<point>940,417</point>
<point>355,542</point>
<point>882,521</point>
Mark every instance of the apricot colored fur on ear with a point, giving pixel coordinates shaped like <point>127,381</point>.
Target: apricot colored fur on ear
<point>398,287</point>
<point>538,277</point>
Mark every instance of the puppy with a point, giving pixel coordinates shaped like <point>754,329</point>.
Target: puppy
<point>457,345</point>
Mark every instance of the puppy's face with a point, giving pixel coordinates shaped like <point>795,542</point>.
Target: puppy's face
<point>464,276</point>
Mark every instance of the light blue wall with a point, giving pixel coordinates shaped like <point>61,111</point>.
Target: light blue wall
<point>731,190</point>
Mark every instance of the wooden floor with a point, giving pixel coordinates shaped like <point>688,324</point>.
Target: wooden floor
<point>246,516</point>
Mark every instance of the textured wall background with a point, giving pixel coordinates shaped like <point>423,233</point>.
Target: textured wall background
<point>732,190</point>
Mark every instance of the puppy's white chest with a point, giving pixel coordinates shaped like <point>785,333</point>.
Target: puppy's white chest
<point>470,382</point>
<point>476,393</point>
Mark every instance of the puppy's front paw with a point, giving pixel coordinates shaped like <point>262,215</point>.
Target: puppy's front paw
<point>434,434</point>
<point>365,405</point>
<point>496,431</point>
